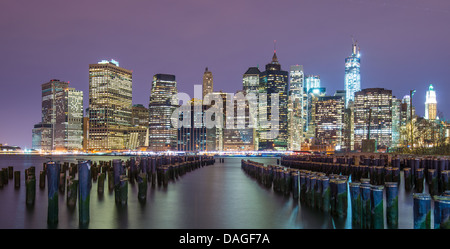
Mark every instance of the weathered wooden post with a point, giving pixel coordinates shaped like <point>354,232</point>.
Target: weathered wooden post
<point>419,178</point>
<point>341,197</point>
<point>303,187</point>
<point>30,183</point>
<point>355,195</point>
<point>366,212</point>
<point>326,194</point>
<point>422,211</point>
<point>392,204</point>
<point>408,179</point>
<point>122,191</point>
<point>53,185</point>
<point>101,183</point>
<point>295,185</point>
<point>110,180</point>
<point>85,184</point>
<point>42,179</point>
<point>433,185</point>
<point>142,184</point>
<point>72,192</point>
<point>17,179</point>
<point>441,212</point>
<point>10,172</point>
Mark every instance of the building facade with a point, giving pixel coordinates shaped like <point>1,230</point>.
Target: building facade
<point>273,81</point>
<point>373,117</point>
<point>329,121</point>
<point>296,118</point>
<point>162,134</point>
<point>110,102</point>
<point>62,118</point>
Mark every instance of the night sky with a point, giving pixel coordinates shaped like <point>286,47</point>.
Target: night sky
<point>404,45</point>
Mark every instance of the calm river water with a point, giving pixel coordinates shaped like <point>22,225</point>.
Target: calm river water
<point>220,196</point>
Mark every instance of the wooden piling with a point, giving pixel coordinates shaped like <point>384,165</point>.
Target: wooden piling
<point>419,180</point>
<point>142,185</point>
<point>17,179</point>
<point>72,192</point>
<point>366,209</point>
<point>441,212</point>
<point>52,180</point>
<point>101,183</point>
<point>30,183</point>
<point>355,196</point>
<point>391,205</point>
<point>84,191</point>
<point>422,211</point>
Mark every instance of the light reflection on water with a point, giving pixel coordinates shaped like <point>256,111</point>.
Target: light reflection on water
<point>218,196</point>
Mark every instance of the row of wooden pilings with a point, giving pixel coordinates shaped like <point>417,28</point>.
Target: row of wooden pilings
<point>77,184</point>
<point>322,182</point>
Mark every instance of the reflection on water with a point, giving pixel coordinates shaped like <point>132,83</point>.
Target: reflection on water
<point>217,196</point>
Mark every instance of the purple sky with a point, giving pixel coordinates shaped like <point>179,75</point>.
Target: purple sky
<point>403,46</point>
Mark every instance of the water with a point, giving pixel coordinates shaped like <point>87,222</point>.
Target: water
<point>220,196</point>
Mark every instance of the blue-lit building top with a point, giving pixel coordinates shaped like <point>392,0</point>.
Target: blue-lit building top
<point>352,74</point>
<point>311,81</point>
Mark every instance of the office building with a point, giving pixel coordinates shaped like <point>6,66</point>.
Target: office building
<point>373,117</point>
<point>110,102</point>
<point>163,101</point>
<point>273,81</point>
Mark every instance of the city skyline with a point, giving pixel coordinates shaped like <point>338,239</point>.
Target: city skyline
<point>389,40</point>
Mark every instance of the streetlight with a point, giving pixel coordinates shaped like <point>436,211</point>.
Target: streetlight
<point>411,94</point>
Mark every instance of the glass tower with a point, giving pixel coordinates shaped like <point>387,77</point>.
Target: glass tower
<point>162,134</point>
<point>274,80</point>
<point>110,102</point>
<point>296,117</point>
<point>352,74</point>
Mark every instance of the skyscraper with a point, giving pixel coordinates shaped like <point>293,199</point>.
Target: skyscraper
<point>274,81</point>
<point>329,121</point>
<point>373,116</point>
<point>162,134</point>
<point>296,119</point>
<point>193,136</point>
<point>110,101</point>
<point>74,120</point>
<point>207,82</point>
<point>431,104</point>
<point>62,118</point>
<point>352,74</point>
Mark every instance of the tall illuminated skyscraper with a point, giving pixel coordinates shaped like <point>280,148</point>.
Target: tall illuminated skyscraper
<point>352,74</point>
<point>110,103</point>
<point>207,82</point>
<point>431,104</point>
<point>274,80</point>
<point>162,134</point>
<point>296,118</point>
